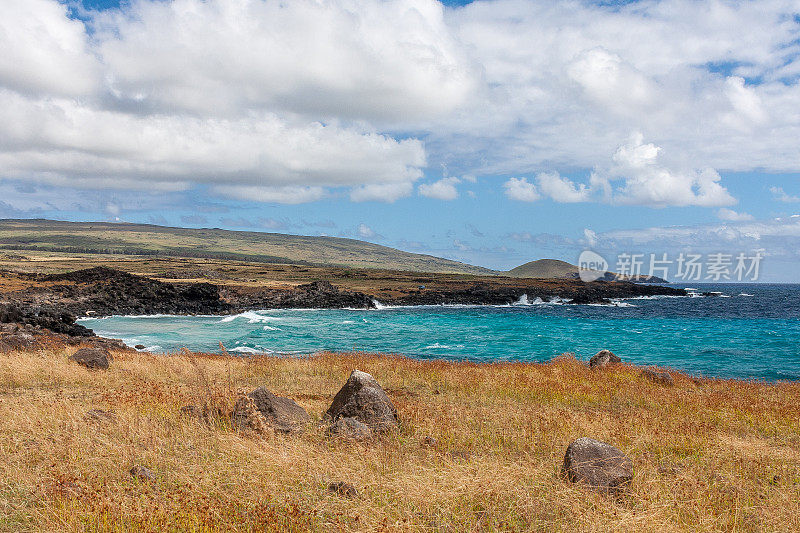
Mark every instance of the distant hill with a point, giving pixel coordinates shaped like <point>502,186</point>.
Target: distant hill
<point>544,268</point>
<point>553,268</point>
<point>146,239</point>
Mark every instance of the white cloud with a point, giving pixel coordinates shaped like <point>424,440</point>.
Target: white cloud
<point>281,195</point>
<point>365,232</point>
<point>337,95</point>
<point>444,189</point>
<point>522,190</point>
<point>783,196</point>
<point>381,192</point>
<point>562,189</point>
<point>648,182</point>
<point>729,214</point>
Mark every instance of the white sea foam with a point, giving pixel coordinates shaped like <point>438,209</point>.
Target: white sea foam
<point>270,328</point>
<point>436,345</point>
<point>744,294</point>
<point>247,349</point>
<point>251,316</point>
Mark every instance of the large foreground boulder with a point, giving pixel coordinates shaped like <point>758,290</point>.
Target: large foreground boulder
<point>93,358</point>
<point>283,414</point>
<point>603,358</point>
<point>598,465</point>
<point>363,399</point>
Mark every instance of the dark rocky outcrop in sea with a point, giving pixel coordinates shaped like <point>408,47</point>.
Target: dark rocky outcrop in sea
<point>56,300</point>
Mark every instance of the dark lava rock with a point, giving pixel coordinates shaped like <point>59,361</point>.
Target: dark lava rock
<point>349,428</point>
<point>363,398</point>
<point>18,342</point>
<point>283,414</point>
<point>598,465</point>
<point>142,473</point>
<point>345,490</point>
<point>140,346</point>
<point>656,376</point>
<point>94,358</point>
<point>603,358</point>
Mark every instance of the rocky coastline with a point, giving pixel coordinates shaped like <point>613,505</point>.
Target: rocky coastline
<point>56,301</point>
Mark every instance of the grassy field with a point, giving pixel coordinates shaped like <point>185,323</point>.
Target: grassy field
<point>708,455</point>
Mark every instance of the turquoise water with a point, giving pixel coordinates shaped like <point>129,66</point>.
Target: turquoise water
<point>748,332</point>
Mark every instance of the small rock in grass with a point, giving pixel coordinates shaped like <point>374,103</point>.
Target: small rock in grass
<point>99,415</point>
<point>142,473</point>
<point>350,428</point>
<point>365,400</point>
<point>92,358</point>
<point>283,414</point>
<point>343,489</point>
<point>598,465</point>
<point>656,376</point>
<point>429,442</point>
<point>603,358</point>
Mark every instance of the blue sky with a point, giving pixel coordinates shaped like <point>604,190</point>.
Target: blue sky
<point>495,133</point>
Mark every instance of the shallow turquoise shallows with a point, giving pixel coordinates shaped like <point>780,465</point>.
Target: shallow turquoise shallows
<point>747,331</point>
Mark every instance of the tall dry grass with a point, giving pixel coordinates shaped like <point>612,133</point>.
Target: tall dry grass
<point>709,455</point>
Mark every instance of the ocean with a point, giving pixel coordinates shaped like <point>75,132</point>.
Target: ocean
<point>747,331</point>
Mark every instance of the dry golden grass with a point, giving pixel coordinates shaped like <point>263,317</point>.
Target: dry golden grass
<point>709,456</point>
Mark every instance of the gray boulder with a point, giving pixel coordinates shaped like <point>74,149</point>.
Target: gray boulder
<point>597,465</point>
<point>348,427</point>
<point>283,414</point>
<point>603,358</point>
<point>93,358</point>
<point>656,376</point>
<point>363,399</point>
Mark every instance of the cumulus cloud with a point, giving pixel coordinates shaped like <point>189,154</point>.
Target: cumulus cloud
<point>733,216</point>
<point>444,189</point>
<point>381,192</point>
<point>521,189</point>
<point>562,189</point>
<point>365,232</point>
<point>302,100</point>
<point>782,196</point>
<point>648,182</point>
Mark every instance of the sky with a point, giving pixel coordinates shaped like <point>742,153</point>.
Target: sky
<point>490,132</point>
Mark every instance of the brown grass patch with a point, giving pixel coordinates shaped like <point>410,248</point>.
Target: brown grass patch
<point>709,456</point>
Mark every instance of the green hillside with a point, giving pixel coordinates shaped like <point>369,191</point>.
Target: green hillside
<point>145,239</point>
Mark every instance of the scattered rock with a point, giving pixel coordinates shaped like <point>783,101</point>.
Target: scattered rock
<point>191,410</point>
<point>429,442</point>
<point>99,415</point>
<point>142,473</point>
<point>363,398</point>
<point>93,358</point>
<point>140,346</point>
<point>18,342</point>
<point>349,428</point>
<point>281,413</point>
<point>247,416</point>
<point>343,489</point>
<point>662,378</point>
<point>670,469</point>
<point>598,465</point>
<point>603,358</point>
